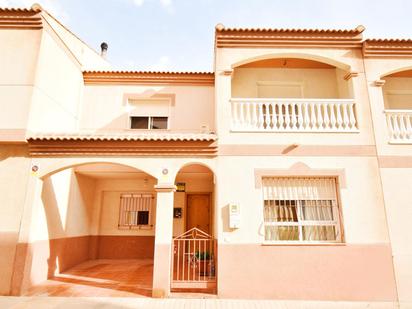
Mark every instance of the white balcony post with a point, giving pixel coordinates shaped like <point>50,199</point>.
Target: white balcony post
<point>399,126</point>
<point>295,115</point>
<point>163,240</point>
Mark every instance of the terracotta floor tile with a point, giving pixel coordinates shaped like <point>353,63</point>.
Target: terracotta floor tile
<point>114,278</point>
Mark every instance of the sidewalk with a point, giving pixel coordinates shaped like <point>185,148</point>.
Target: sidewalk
<point>176,303</point>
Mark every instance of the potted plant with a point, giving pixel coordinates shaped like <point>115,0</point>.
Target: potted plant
<point>205,261</point>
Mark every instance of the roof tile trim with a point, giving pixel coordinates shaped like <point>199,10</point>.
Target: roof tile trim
<point>125,137</point>
<point>265,37</point>
<point>20,18</point>
<point>149,77</point>
<point>387,48</point>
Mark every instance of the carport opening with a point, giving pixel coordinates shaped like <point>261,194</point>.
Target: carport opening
<point>98,220</point>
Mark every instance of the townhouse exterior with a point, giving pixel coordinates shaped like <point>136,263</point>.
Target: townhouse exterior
<point>285,173</point>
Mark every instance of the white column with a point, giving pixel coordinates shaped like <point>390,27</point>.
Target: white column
<point>163,240</point>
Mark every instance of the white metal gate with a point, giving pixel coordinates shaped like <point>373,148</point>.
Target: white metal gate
<point>194,261</point>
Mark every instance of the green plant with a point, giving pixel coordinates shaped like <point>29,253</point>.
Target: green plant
<point>202,255</point>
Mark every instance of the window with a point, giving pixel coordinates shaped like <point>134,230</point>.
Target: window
<point>301,209</point>
<point>148,122</point>
<point>149,114</point>
<point>135,210</point>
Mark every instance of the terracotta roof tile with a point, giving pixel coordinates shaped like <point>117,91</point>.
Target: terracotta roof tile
<point>149,77</point>
<point>282,37</point>
<point>34,9</point>
<point>149,72</point>
<point>388,40</point>
<point>358,29</point>
<point>144,136</point>
<point>387,48</point>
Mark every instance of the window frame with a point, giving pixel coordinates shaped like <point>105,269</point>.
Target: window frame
<point>150,209</point>
<point>336,212</point>
<point>149,122</point>
<point>132,109</point>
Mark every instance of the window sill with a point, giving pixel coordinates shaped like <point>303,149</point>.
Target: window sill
<point>147,130</point>
<point>136,227</point>
<point>310,244</point>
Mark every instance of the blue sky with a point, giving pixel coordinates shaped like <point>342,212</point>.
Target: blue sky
<point>178,34</point>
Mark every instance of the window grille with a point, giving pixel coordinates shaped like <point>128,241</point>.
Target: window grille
<point>301,209</point>
<point>135,210</point>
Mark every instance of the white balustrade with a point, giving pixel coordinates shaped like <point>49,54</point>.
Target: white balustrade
<point>399,125</point>
<point>293,115</point>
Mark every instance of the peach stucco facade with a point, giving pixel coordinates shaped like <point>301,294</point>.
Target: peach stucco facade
<point>280,104</point>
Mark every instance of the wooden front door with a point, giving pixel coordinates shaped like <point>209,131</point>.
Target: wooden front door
<point>198,212</point>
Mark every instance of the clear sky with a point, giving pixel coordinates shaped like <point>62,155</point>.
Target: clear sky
<point>178,34</point>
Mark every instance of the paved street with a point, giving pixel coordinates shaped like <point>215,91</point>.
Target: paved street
<point>186,303</point>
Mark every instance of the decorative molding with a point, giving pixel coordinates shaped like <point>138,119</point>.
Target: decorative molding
<point>58,148</point>
<point>149,78</point>
<point>228,72</point>
<point>21,18</point>
<point>379,83</point>
<point>261,38</point>
<point>387,48</point>
<point>350,75</point>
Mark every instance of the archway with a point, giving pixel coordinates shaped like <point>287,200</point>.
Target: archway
<point>195,250</point>
<point>397,96</point>
<point>291,76</point>
<point>292,92</point>
<point>397,89</point>
<point>93,232</point>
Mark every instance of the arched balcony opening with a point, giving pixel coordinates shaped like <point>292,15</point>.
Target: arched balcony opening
<point>397,94</point>
<point>292,95</point>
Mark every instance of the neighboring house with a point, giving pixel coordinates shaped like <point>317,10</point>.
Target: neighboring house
<point>290,165</point>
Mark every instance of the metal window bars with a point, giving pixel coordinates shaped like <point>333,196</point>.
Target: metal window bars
<point>301,209</point>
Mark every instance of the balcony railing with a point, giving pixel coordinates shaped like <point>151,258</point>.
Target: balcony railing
<point>293,115</point>
<point>399,125</point>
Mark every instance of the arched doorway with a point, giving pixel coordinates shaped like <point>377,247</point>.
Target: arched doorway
<point>93,232</point>
<point>194,265</point>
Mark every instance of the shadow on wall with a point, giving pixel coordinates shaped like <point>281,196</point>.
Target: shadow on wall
<point>54,248</point>
<point>201,115</point>
<point>14,173</point>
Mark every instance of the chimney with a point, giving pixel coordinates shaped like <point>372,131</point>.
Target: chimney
<point>103,47</point>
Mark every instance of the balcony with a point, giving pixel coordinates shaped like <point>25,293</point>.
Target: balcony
<point>293,115</point>
<point>399,125</point>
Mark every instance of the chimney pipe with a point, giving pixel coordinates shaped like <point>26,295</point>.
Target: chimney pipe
<point>103,47</point>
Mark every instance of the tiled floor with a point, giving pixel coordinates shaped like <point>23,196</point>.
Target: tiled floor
<point>115,278</point>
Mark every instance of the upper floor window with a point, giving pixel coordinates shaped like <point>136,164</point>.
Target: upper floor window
<point>148,122</point>
<point>301,209</point>
<point>149,114</point>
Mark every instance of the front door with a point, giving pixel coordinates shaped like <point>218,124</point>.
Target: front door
<point>198,211</point>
